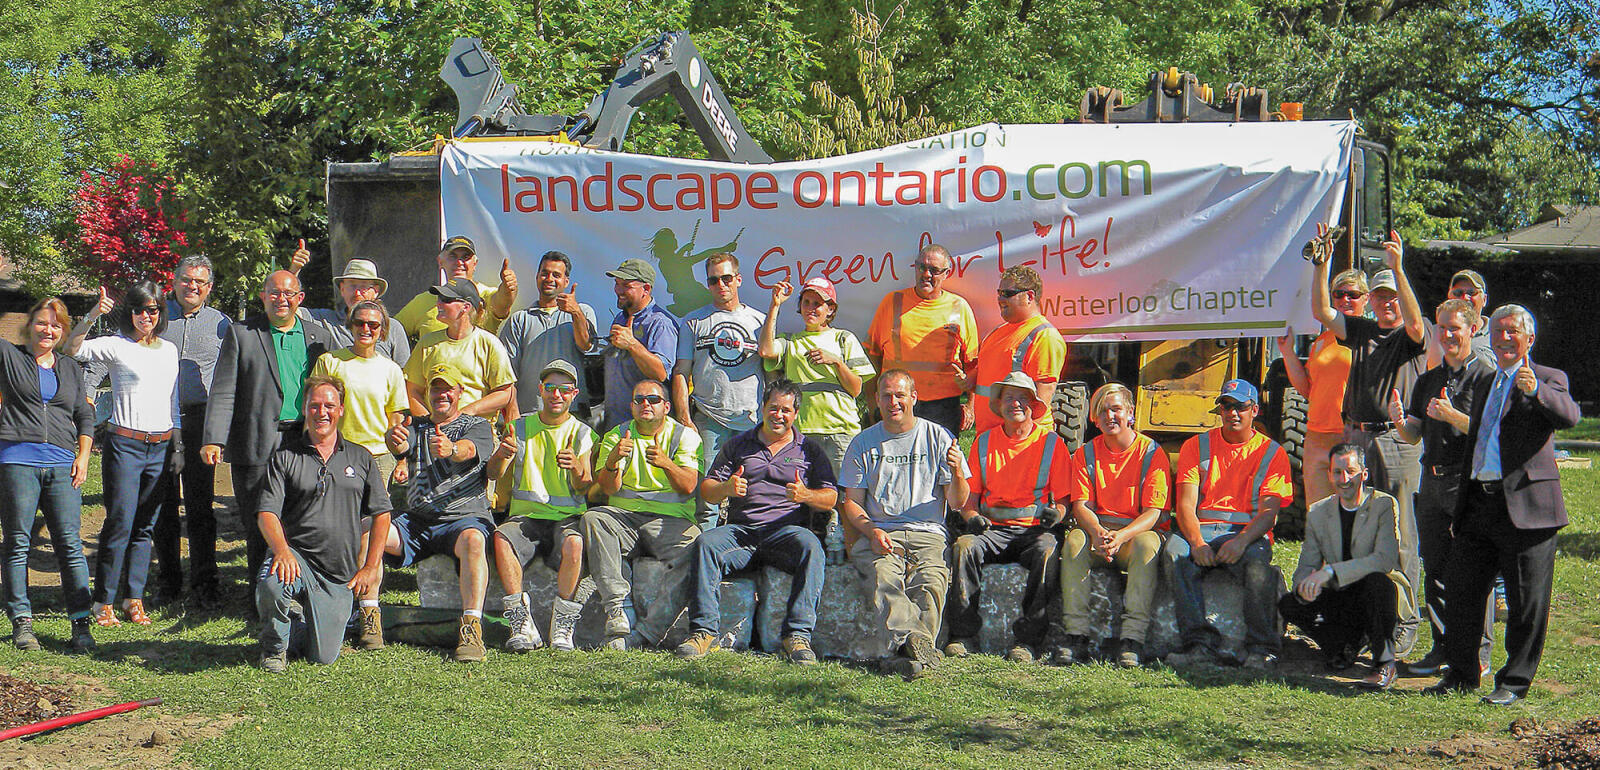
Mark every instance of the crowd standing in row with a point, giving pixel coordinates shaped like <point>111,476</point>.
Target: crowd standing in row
<point>722,444</point>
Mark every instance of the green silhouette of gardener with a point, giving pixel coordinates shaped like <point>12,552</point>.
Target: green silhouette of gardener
<point>677,267</point>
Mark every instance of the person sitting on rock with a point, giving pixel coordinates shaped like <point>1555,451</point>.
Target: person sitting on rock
<point>900,475</point>
<point>773,479</point>
<point>1232,480</point>
<point>1345,586</point>
<point>1021,473</point>
<point>648,467</point>
<point>1121,492</point>
<point>548,452</point>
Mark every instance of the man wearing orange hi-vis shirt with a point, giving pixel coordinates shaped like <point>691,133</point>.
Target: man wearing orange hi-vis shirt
<point>1025,343</point>
<point>931,333</point>
<point>1231,483</point>
<point>1021,476</point>
<point>1121,493</point>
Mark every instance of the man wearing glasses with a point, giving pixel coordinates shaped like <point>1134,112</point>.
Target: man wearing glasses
<point>642,343</point>
<point>256,397</point>
<point>1232,480</point>
<point>717,380</point>
<point>648,467</point>
<point>196,329</point>
<point>1388,352</point>
<point>1025,343</point>
<point>932,334</point>
<point>556,328</point>
<point>458,258</point>
<point>486,369</point>
<point>359,282</point>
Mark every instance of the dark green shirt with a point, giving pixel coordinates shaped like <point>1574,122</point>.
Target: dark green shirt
<point>293,367</point>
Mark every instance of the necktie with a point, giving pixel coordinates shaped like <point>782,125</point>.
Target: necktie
<point>1486,455</point>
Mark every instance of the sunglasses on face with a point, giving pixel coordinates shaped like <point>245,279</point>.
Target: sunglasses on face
<point>566,390</point>
<point>725,280</point>
<point>930,269</point>
<point>1009,293</point>
<point>1347,294</point>
<point>651,399</point>
<point>1464,293</point>
<point>1233,406</point>
<point>366,324</point>
<point>147,310</point>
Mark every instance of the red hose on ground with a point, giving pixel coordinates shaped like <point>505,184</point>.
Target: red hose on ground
<point>76,719</point>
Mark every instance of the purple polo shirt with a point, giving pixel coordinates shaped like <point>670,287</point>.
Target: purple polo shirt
<point>767,503</point>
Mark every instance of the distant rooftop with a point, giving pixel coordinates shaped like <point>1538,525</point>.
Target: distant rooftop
<point>1559,228</point>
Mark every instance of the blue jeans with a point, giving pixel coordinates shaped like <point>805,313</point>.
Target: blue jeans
<point>131,471</point>
<point>733,547</point>
<point>29,490</point>
<point>712,436</point>
<point>1260,580</point>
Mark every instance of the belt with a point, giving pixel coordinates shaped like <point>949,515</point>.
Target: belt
<point>1371,427</point>
<point>1492,488</point>
<point>286,426</point>
<point>139,435</point>
<point>1441,471</point>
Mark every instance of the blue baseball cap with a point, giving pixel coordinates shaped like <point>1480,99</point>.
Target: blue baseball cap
<point>1240,391</point>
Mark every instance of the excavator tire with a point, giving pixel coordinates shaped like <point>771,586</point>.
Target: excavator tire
<point>1070,407</point>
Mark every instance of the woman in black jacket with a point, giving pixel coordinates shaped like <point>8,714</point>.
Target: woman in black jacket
<point>46,425</point>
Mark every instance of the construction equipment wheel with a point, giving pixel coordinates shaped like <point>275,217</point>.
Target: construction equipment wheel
<point>1292,421</point>
<point>1070,407</point>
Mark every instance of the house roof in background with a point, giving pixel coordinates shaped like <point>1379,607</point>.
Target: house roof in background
<point>1560,228</point>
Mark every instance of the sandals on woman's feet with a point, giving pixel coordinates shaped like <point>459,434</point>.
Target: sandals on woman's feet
<point>106,616</point>
<point>134,609</point>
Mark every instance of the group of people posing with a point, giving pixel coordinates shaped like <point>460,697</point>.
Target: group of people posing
<point>715,443</point>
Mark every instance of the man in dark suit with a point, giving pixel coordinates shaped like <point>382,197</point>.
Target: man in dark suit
<point>1508,513</point>
<point>256,396</point>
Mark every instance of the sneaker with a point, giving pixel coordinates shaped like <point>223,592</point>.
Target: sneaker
<point>617,628</point>
<point>1074,652</point>
<point>697,645</point>
<point>524,635</point>
<point>1405,639</point>
<point>1021,653</point>
<point>369,635</point>
<point>1130,653</point>
<point>797,650</point>
<point>1198,655</point>
<point>469,640</point>
<point>22,634</point>
<point>919,647</point>
<point>563,622</point>
<point>276,663</point>
<point>960,648</point>
<point>82,639</point>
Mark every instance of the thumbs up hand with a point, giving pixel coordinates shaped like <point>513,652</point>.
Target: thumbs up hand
<point>299,258</point>
<point>658,457</point>
<point>622,334</point>
<point>1397,411</point>
<point>1526,381</point>
<point>795,491</point>
<point>952,458</point>
<point>738,486</point>
<point>566,459</point>
<point>508,447</point>
<point>622,451</point>
<point>508,278</point>
<point>567,302</point>
<point>441,445</point>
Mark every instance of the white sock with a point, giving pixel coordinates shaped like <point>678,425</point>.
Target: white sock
<point>369,602</point>
<point>472,613</point>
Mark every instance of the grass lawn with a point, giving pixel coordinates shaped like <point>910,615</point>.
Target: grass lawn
<point>407,706</point>
<point>1588,429</point>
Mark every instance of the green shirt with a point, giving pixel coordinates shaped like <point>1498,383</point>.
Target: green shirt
<point>646,488</point>
<point>293,366</point>
<point>541,488</point>
<point>825,406</point>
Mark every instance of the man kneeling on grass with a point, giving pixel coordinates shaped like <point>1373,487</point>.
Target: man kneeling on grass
<point>445,457</point>
<point>318,488</point>
<point>773,479</point>
<point>549,452</point>
<point>1345,586</point>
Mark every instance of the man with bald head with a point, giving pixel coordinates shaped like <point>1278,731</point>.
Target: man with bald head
<point>256,396</point>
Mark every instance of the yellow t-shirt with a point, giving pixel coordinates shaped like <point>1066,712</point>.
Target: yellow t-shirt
<point>931,338</point>
<point>374,388</point>
<point>479,356</point>
<point>420,316</point>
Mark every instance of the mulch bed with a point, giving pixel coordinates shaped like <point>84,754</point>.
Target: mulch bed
<point>23,702</point>
<point>1575,748</point>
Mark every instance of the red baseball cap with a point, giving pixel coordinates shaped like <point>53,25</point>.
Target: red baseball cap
<point>823,287</point>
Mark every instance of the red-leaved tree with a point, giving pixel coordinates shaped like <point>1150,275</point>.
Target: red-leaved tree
<point>126,216</point>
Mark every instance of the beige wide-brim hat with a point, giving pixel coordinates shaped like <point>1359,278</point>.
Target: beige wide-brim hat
<point>1018,380</point>
<point>362,269</point>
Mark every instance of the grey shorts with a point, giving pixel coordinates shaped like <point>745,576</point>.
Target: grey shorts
<point>533,538</point>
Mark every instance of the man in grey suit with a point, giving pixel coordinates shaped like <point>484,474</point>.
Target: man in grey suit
<point>1509,511</point>
<point>256,397</point>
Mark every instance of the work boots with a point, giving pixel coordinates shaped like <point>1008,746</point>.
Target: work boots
<point>369,635</point>
<point>563,621</point>
<point>519,616</point>
<point>22,634</point>
<point>469,640</point>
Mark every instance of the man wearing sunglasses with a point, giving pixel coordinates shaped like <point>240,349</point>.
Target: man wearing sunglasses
<point>1469,285</point>
<point>1026,343</point>
<point>477,354</point>
<point>1231,482</point>
<point>1388,352</point>
<point>717,381</point>
<point>930,333</point>
<point>556,328</point>
<point>548,456</point>
<point>648,466</point>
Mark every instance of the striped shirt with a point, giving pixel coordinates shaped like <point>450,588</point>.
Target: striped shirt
<point>446,490</point>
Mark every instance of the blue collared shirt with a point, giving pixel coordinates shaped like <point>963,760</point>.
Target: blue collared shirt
<point>657,330</point>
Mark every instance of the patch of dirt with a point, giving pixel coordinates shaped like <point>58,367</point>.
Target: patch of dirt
<point>1577,747</point>
<point>149,737</point>
<point>1526,742</point>
<point>23,702</point>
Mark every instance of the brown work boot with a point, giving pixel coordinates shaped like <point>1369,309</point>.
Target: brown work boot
<point>697,645</point>
<point>469,640</point>
<point>797,650</point>
<point>370,637</point>
<point>960,648</point>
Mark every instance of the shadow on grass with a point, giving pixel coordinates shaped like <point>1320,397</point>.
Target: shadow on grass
<point>176,656</point>
<point>1581,545</point>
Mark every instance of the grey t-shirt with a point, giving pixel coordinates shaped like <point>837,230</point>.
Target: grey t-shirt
<point>725,368</point>
<point>536,336</point>
<point>446,490</point>
<point>902,475</point>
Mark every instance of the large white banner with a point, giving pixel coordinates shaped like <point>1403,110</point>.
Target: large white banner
<point>1145,231</point>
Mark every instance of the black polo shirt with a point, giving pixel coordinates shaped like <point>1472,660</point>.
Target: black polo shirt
<point>1380,360</point>
<point>1441,444</point>
<point>321,504</point>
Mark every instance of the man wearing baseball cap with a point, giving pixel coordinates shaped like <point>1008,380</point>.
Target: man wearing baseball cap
<point>1231,483</point>
<point>1387,354</point>
<point>445,458</point>
<point>642,343</point>
<point>1021,483</point>
<point>358,282</point>
<point>458,258</point>
<point>486,369</point>
<point>1469,285</point>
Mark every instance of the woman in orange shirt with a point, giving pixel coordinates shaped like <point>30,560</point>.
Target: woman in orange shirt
<point>1321,378</point>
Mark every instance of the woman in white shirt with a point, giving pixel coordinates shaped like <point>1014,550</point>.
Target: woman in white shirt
<point>144,419</point>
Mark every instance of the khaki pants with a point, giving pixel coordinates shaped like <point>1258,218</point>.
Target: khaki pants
<point>1137,559</point>
<point>907,586</point>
